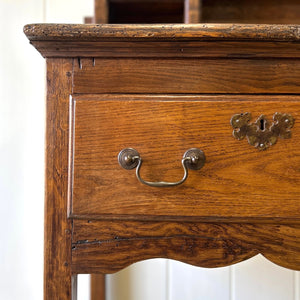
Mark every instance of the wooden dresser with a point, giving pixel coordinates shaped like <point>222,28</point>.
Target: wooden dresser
<point>212,111</point>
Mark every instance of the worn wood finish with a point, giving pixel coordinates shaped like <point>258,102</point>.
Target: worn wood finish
<point>57,264</point>
<point>187,76</point>
<point>248,11</point>
<point>192,11</point>
<point>173,32</point>
<point>236,181</point>
<point>101,246</point>
<point>201,40</point>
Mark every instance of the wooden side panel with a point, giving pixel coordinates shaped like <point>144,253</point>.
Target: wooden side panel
<point>110,246</point>
<point>57,266</point>
<point>237,180</point>
<point>187,76</point>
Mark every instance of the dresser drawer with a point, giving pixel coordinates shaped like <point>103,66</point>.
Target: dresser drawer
<point>237,179</point>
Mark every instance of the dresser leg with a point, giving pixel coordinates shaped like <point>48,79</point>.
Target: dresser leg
<point>59,284</point>
<point>97,287</point>
<point>74,287</point>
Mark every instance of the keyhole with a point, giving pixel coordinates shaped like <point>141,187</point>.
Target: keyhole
<point>262,124</point>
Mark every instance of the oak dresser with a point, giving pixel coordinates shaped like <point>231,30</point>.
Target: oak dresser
<point>173,141</point>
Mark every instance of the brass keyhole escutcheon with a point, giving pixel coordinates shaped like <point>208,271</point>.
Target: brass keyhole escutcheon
<point>261,134</point>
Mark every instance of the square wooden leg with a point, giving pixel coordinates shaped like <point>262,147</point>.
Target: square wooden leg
<point>97,287</point>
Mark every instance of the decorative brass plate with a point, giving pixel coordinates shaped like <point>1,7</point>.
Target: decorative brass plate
<point>261,134</point>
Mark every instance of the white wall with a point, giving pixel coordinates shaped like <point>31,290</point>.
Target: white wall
<point>21,154</point>
<point>22,118</point>
<point>255,279</point>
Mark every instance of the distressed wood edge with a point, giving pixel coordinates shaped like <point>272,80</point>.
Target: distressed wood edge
<point>208,31</point>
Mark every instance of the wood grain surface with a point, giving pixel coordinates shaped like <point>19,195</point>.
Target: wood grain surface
<point>102,246</point>
<point>58,281</point>
<point>69,32</point>
<point>237,181</point>
<point>187,76</point>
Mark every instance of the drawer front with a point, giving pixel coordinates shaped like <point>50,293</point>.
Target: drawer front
<point>237,179</point>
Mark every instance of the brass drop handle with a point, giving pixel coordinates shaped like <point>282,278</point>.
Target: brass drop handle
<point>193,159</point>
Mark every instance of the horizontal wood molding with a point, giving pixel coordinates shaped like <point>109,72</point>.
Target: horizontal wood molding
<point>176,40</point>
<point>130,75</point>
<point>111,246</point>
<point>225,49</point>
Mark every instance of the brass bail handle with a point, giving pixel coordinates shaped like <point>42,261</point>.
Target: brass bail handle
<point>192,159</point>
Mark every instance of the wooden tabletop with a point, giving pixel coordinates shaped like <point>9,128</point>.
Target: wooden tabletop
<point>99,32</point>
